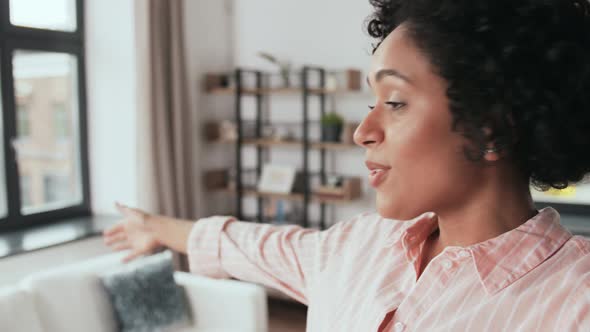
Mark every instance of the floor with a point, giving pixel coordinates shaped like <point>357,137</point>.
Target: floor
<point>286,316</point>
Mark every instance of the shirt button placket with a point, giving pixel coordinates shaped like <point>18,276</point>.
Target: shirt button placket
<point>447,264</point>
<point>464,254</point>
<point>399,327</point>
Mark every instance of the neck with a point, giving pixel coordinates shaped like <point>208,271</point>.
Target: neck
<point>496,208</point>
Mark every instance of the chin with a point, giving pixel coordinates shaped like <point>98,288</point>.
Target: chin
<point>386,208</point>
<point>393,209</point>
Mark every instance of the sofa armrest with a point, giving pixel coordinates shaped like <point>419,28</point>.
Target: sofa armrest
<point>225,304</point>
<point>17,311</point>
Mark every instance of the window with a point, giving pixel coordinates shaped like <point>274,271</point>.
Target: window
<point>44,14</point>
<point>23,124</point>
<point>61,124</point>
<point>44,163</point>
<point>56,188</point>
<point>26,192</point>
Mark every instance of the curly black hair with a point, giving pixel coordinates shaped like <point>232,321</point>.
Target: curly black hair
<point>519,67</point>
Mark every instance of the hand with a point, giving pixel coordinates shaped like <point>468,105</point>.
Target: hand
<point>131,233</point>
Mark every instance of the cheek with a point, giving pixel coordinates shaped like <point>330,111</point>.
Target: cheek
<point>427,163</point>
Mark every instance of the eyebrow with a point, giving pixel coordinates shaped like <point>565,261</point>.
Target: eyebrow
<point>389,72</point>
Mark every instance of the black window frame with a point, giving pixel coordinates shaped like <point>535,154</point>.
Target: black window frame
<point>23,38</point>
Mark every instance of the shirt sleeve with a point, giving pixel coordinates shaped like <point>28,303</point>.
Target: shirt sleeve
<point>284,257</point>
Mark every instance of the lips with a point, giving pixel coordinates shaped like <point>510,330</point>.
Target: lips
<point>373,165</point>
<point>377,172</point>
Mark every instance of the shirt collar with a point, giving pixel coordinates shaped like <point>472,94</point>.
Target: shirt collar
<point>502,260</point>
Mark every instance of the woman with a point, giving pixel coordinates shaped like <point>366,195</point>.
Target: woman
<point>474,101</point>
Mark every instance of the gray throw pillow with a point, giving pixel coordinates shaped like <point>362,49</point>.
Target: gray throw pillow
<point>145,296</point>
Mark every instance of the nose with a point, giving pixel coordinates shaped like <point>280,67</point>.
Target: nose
<point>369,133</point>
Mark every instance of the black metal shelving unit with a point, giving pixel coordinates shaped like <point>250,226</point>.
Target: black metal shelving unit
<point>305,123</point>
<point>259,93</point>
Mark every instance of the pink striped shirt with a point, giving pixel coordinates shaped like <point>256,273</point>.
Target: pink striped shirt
<point>533,278</point>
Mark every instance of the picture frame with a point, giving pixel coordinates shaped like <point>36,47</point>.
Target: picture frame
<point>277,178</point>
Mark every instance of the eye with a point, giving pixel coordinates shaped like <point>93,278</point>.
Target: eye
<point>395,105</point>
<point>371,107</point>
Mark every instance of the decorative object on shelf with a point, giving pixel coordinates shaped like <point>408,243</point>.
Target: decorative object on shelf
<point>216,179</point>
<point>283,134</point>
<point>276,178</point>
<point>346,80</point>
<point>228,131</point>
<point>221,131</point>
<point>348,130</point>
<point>278,133</point>
<point>334,180</point>
<point>331,81</point>
<point>284,67</point>
<point>349,189</point>
<point>331,127</point>
<point>280,211</point>
<point>217,81</point>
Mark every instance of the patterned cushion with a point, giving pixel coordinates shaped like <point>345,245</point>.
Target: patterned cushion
<point>145,296</point>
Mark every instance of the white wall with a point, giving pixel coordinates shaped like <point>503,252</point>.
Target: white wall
<point>325,32</point>
<point>111,90</point>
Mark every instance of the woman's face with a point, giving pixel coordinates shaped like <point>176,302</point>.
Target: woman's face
<point>408,132</point>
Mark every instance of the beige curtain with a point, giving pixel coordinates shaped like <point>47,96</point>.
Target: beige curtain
<point>164,117</point>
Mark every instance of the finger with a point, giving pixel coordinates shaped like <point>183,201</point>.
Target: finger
<point>131,256</point>
<point>121,246</point>
<point>113,230</point>
<point>126,210</point>
<point>121,208</point>
<point>119,237</point>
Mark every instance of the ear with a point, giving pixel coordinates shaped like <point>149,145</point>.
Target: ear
<point>491,156</point>
<point>487,155</point>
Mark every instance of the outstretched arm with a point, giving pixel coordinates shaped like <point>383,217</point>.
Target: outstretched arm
<point>142,233</point>
<point>287,257</point>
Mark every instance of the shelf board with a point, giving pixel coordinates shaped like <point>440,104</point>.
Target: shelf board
<point>289,197</point>
<point>294,90</point>
<point>333,145</point>
<point>314,145</point>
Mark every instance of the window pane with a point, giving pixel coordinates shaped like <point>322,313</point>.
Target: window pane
<point>47,142</point>
<point>3,202</point>
<point>44,14</point>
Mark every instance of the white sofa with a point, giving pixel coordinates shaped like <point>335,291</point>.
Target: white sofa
<point>71,299</point>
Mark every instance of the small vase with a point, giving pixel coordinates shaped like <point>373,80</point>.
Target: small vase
<point>331,133</point>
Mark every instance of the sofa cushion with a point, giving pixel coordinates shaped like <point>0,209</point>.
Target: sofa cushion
<point>17,311</point>
<point>70,298</point>
<point>145,296</point>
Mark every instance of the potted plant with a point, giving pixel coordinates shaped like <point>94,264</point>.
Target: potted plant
<point>331,127</point>
<point>284,67</point>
